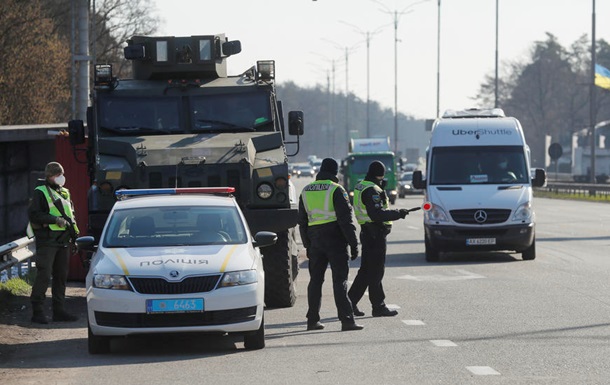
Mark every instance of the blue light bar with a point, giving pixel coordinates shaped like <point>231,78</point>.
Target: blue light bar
<point>122,194</point>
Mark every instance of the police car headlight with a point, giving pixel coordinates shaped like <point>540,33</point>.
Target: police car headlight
<point>107,281</point>
<point>264,191</point>
<point>523,213</point>
<point>237,278</point>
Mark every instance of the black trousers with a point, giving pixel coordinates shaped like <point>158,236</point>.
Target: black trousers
<point>372,269</point>
<point>52,262</point>
<point>319,259</point>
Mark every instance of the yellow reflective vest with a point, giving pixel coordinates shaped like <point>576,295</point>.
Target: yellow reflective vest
<point>64,198</point>
<point>360,208</point>
<point>318,202</point>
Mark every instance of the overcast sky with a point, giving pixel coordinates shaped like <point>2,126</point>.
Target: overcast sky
<point>306,37</point>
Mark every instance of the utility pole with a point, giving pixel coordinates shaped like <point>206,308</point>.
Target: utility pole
<point>81,59</point>
<point>592,97</point>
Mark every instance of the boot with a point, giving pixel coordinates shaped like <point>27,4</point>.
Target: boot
<point>63,316</point>
<point>38,317</point>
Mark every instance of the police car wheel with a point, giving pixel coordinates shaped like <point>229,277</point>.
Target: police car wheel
<point>256,340</point>
<point>97,344</point>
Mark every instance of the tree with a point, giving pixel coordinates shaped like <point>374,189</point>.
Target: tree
<point>33,73</point>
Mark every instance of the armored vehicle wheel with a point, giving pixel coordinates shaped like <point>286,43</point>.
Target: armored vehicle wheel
<point>280,272</point>
<point>529,253</point>
<point>432,254</point>
<point>255,340</point>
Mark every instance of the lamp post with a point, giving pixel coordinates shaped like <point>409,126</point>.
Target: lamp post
<point>368,36</point>
<point>395,18</point>
<point>331,100</point>
<point>438,60</point>
<point>496,80</point>
<point>593,95</point>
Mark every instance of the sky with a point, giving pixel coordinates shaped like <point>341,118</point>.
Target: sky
<point>307,39</point>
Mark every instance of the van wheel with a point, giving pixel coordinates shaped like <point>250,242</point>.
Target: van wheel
<point>432,254</point>
<point>256,340</point>
<point>529,253</point>
<point>97,344</point>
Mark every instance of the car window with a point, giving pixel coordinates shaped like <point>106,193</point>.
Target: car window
<point>174,226</point>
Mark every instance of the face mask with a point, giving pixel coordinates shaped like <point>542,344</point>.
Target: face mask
<point>60,180</point>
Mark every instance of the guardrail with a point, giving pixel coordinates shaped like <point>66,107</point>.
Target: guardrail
<point>578,189</point>
<point>16,253</point>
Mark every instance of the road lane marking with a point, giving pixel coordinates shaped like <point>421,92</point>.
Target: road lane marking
<point>413,322</point>
<point>443,343</point>
<point>463,275</point>
<point>482,371</point>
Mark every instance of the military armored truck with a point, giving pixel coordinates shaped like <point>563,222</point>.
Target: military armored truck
<point>181,121</point>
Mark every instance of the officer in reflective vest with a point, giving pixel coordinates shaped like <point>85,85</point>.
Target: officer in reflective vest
<point>52,223</point>
<point>327,228</point>
<point>375,219</point>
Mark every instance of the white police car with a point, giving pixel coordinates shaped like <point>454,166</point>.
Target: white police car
<point>175,260</point>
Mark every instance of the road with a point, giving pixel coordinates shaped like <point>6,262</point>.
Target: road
<point>488,318</point>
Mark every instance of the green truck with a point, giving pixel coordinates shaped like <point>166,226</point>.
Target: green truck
<point>362,152</point>
<point>182,121</point>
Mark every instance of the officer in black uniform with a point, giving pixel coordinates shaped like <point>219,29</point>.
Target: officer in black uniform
<point>53,238</point>
<point>327,228</point>
<point>374,217</point>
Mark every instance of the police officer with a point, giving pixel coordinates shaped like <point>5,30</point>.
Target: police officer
<point>51,216</point>
<point>374,217</point>
<point>327,228</point>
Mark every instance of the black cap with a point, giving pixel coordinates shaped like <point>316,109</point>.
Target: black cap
<point>376,168</point>
<point>330,166</point>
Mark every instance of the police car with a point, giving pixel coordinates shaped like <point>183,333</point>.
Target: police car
<point>175,260</point>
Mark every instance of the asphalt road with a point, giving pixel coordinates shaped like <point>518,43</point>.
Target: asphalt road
<point>488,318</point>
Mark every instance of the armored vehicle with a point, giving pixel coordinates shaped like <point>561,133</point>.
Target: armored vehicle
<point>183,122</point>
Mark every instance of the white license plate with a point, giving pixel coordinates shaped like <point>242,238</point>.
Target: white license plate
<point>189,305</point>
<point>480,241</point>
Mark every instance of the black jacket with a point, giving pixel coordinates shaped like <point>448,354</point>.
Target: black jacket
<point>334,234</point>
<point>373,201</point>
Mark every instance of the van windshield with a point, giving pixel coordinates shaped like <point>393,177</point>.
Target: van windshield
<point>478,165</point>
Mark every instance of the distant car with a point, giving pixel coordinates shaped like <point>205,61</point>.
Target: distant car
<point>304,170</point>
<point>405,185</point>
<point>175,261</point>
<point>315,164</point>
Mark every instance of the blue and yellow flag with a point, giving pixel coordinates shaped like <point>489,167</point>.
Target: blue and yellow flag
<point>602,77</point>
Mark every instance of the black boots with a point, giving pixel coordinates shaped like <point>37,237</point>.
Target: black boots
<point>39,318</point>
<point>63,316</point>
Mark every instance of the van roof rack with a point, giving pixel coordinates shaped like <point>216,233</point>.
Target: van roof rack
<point>475,113</point>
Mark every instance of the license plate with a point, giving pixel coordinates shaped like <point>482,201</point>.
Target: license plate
<point>480,241</point>
<point>188,305</point>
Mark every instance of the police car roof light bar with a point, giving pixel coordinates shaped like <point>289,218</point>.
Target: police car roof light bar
<point>122,194</point>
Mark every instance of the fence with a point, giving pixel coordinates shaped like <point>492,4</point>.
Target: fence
<point>583,190</point>
<point>16,253</point>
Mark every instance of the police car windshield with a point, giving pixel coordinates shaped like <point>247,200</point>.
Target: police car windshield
<point>174,226</point>
<point>478,165</point>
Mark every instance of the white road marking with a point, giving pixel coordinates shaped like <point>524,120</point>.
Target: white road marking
<point>464,275</point>
<point>482,371</point>
<point>443,343</point>
<point>392,306</point>
<point>413,322</point>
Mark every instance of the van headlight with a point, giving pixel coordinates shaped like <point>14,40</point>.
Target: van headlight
<point>435,213</point>
<point>107,281</point>
<point>237,278</point>
<point>523,213</point>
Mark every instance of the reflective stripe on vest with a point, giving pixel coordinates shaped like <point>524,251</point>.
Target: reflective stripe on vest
<point>54,211</point>
<point>360,208</point>
<point>318,202</point>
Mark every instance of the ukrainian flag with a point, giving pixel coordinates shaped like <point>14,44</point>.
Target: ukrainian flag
<point>602,77</point>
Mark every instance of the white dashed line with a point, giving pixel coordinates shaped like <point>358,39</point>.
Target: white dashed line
<point>443,343</point>
<point>482,371</point>
<point>413,322</point>
<point>463,275</point>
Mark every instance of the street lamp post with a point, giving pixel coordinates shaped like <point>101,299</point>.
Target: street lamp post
<point>368,36</point>
<point>593,95</point>
<point>395,18</point>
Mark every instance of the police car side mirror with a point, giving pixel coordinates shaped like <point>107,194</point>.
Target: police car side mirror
<point>418,180</point>
<point>86,243</point>
<point>264,238</point>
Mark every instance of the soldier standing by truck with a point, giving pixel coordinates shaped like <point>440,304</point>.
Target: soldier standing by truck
<point>375,219</point>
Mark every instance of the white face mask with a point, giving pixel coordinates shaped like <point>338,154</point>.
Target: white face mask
<point>60,180</point>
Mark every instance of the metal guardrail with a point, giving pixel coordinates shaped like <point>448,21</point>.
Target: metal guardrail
<point>15,253</point>
<point>579,189</point>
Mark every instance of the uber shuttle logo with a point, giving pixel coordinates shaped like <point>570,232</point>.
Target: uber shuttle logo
<point>479,133</point>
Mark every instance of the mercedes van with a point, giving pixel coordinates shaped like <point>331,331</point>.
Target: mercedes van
<point>478,185</point>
